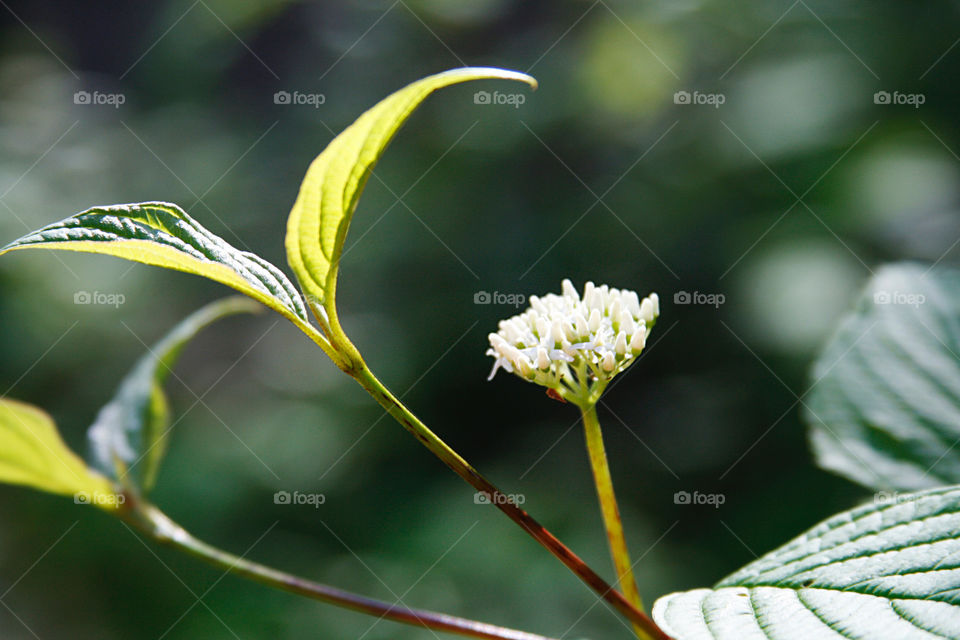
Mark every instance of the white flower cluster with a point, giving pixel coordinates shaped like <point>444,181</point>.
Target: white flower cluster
<point>568,343</point>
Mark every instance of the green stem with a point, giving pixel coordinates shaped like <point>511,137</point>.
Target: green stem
<point>610,510</point>
<point>463,469</point>
<point>157,525</point>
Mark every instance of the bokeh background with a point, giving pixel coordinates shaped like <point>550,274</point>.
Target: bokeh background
<point>776,189</point>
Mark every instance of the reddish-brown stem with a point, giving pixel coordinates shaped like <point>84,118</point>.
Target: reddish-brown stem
<point>503,502</point>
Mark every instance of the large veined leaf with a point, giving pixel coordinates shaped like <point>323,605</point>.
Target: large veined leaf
<point>163,235</point>
<point>33,454</point>
<point>885,411</point>
<point>328,196</point>
<point>128,438</point>
<point>887,571</point>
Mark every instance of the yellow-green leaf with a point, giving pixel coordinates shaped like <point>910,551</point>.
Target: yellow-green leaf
<point>328,196</point>
<point>33,454</point>
<point>161,234</point>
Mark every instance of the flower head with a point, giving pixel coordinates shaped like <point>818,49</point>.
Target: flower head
<point>575,345</point>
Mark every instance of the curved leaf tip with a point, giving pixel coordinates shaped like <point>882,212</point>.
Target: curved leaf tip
<point>494,73</point>
<point>324,207</point>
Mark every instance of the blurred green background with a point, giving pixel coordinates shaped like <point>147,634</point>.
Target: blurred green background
<point>782,199</point>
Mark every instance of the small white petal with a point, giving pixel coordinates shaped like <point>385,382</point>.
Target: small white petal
<point>556,332</point>
<point>537,304</point>
<point>639,340</point>
<point>615,309</point>
<point>647,310</point>
<point>595,301</point>
<point>543,327</point>
<point>543,361</point>
<point>497,341</point>
<point>656,304</point>
<point>581,324</point>
<point>594,322</point>
<point>626,322</point>
<point>633,303</point>
<point>609,363</point>
<point>511,353</point>
<point>621,345</point>
<point>570,291</point>
<point>524,366</point>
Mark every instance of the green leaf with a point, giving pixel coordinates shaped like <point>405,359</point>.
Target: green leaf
<point>131,429</point>
<point>328,196</point>
<point>888,571</point>
<point>163,235</point>
<point>33,454</point>
<point>885,408</point>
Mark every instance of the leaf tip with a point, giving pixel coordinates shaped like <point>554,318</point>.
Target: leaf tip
<point>502,74</point>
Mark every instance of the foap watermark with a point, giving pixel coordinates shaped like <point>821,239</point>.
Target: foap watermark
<point>910,99</point>
<point>517,300</point>
<point>99,499</point>
<point>711,299</point>
<point>99,98</point>
<point>495,97</point>
<point>697,498</point>
<point>298,498</point>
<point>899,297</point>
<point>890,498</point>
<point>298,98</point>
<point>697,98</point>
<point>482,497</point>
<point>99,298</point>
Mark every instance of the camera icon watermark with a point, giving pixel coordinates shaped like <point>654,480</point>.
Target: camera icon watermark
<point>101,99</point>
<point>99,499</point>
<point>512,99</point>
<point>99,298</point>
<point>696,498</point>
<point>297,498</point>
<point>516,300</point>
<point>482,497</point>
<point>697,98</point>
<point>710,299</point>
<point>299,99</point>
<point>910,99</point>
<point>899,297</point>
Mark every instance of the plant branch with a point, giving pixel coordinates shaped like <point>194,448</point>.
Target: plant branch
<point>611,512</point>
<point>538,532</point>
<point>158,526</point>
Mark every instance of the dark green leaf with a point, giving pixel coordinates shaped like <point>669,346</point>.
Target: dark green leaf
<point>162,234</point>
<point>885,408</point>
